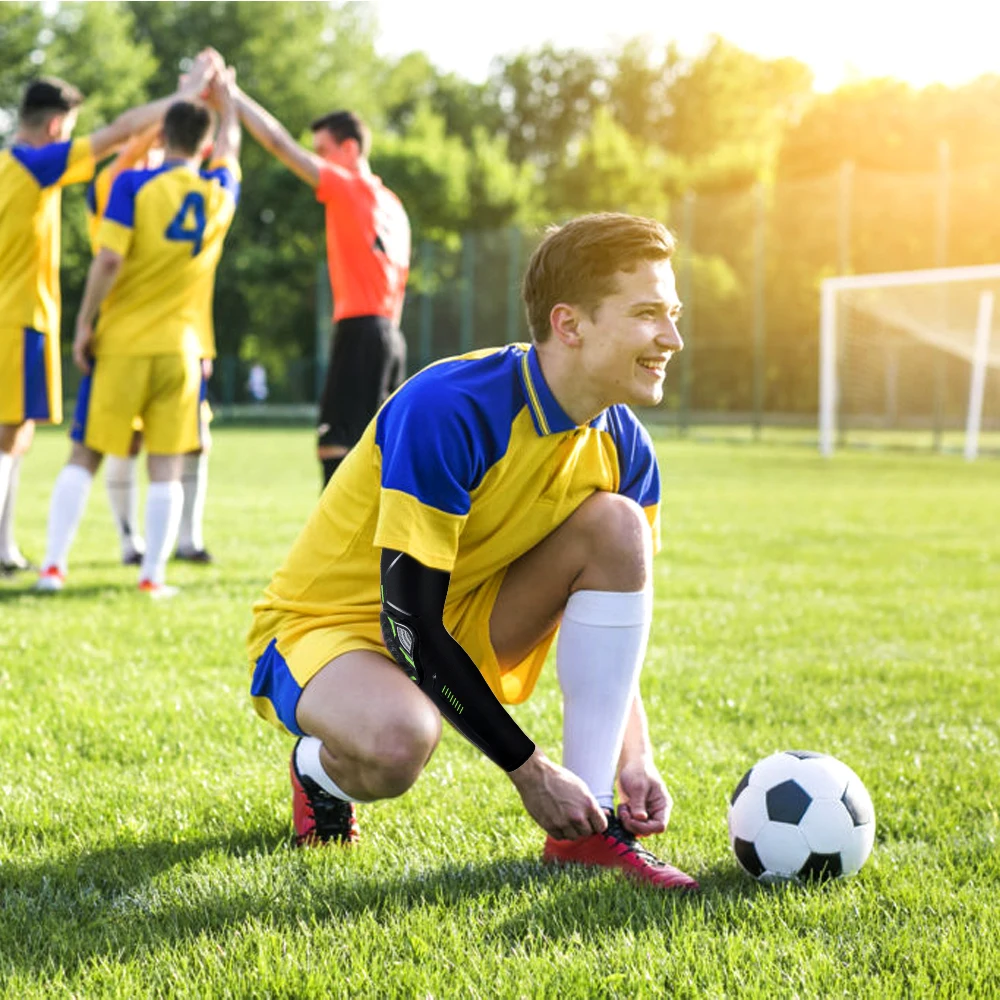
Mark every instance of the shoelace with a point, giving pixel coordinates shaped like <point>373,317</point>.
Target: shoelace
<point>618,832</point>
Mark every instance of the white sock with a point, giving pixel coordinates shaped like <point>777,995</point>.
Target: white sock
<point>308,764</point>
<point>195,480</point>
<point>163,515</point>
<point>599,653</point>
<point>10,475</point>
<point>123,496</point>
<point>69,501</point>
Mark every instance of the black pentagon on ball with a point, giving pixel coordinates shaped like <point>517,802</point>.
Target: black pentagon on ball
<point>819,867</point>
<point>803,754</point>
<point>744,781</point>
<point>746,854</point>
<point>857,805</point>
<point>787,802</point>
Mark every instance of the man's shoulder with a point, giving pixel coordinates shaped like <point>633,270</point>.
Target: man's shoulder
<point>479,391</point>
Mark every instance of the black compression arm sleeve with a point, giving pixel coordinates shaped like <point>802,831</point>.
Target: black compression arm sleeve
<point>413,597</point>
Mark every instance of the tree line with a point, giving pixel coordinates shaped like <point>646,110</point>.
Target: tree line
<point>738,153</point>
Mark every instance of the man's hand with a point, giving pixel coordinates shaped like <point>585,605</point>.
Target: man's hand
<point>644,802</point>
<point>557,800</point>
<point>81,346</point>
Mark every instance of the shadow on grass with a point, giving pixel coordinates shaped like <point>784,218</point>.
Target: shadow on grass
<point>124,903</point>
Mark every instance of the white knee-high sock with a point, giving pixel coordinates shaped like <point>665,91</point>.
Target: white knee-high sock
<point>195,479</point>
<point>599,653</point>
<point>123,496</point>
<point>69,501</point>
<point>308,763</point>
<point>163,515</point>
<point>10,475</point>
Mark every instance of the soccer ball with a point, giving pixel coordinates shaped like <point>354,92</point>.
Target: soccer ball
<point>799,815</point>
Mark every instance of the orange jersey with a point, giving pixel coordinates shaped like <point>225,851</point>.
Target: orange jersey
<point>367,244</point>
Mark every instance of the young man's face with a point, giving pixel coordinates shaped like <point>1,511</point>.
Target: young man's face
<point>626,344</point>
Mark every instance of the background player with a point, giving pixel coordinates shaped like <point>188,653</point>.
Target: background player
<point>146,150</point>
<point>161,239</point>
<point>368,254</point>
<point>40,161</point>
<point>495,498</point>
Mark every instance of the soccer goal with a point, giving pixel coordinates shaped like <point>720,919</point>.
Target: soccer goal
<point>910,359</point>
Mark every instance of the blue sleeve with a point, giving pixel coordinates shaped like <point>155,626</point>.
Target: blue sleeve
<point>46,164</point>
<point>121,202</point>
<point>224,176</point>
<point>639,472</point>
<point>430,448</point>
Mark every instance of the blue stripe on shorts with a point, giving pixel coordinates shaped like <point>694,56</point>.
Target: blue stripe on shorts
<point>78,432</point>
<point>274,681</point>
<point>36,384</point>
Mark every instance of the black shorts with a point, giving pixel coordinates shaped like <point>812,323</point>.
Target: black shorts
<point>367,364</point>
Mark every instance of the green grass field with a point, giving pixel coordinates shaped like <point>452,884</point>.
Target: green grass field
<point>850,607</point>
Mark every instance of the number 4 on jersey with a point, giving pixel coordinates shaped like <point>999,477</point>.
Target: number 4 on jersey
<point>188,225</point>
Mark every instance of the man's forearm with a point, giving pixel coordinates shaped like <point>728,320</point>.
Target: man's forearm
<point>276,139</point>
<point>100,278</point>
<point>636,744</point>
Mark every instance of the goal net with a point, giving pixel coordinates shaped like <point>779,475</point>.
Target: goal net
<point>911,359</point>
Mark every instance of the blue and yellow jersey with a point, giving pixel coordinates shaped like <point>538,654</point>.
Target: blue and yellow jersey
<point>468,466</point>
<point>31,179</point>
<point>98,192</point>
<point>168,223</point>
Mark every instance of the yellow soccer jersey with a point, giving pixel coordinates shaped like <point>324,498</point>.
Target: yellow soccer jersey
<point>98,192</point>
<point>467,467</point>
<point>168,224</point>
<point>31,179</point>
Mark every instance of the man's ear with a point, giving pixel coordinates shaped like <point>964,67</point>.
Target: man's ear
<point>565,322</point>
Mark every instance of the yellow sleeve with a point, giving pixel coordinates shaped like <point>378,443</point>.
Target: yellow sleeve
<point>428,535</point>
<point>102,191</point>
<point>114,236</point>
<point>79,164</point>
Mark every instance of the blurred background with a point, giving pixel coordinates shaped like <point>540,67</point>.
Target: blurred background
<point>782,144</point>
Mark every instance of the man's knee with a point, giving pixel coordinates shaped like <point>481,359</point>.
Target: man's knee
<point>401,751</point>
<point>618,542</point>
<point>386,760</point>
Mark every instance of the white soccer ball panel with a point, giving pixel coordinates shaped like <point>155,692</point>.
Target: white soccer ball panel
<point>782,849</point>
<point>858,846</point>
<point>748,814</point>
<point>773,770</point>
<point>823,777</point>
<point>827,826</point>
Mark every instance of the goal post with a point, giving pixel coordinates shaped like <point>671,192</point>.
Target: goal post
<point>907,354</point>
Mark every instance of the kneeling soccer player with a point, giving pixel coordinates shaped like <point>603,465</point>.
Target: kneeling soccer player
<point>496,499</point>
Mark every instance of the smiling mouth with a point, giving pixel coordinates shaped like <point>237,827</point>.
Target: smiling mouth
<point>657,367</point>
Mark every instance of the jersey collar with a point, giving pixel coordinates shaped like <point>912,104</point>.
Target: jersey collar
<point>546,413</point>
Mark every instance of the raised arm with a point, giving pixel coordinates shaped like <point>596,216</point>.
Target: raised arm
<point>277,140</point>
<point>107,139</point>
<point>223,97</point>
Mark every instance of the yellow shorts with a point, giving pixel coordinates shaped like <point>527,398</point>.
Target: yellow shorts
<point>286,653</point>
<point>30,377</point>
<point>205,415</point>
<point>164,390</point>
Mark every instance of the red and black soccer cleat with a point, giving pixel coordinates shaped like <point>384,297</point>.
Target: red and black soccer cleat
<point>616,847</point>
<point>317,816</point>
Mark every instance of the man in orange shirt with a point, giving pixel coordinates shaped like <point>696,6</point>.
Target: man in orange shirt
<point>368,253</point>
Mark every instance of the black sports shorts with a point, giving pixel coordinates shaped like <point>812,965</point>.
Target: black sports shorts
<point>367,364</point>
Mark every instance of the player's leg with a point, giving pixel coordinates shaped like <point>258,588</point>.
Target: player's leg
<point>102,424</point>
<point>172,428</point>
<point>364,364</point>
<point>121,482</point>
<point>591,578</point>
<point>66,508</point>
<point>15,440</point>
<point>194,479</point>
<point>365,730</point>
